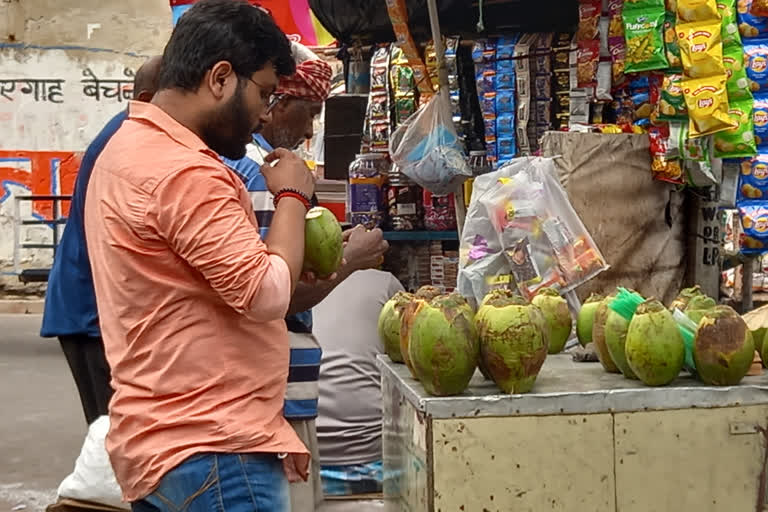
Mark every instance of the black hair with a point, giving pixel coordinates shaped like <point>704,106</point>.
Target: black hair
<point>223,30</point>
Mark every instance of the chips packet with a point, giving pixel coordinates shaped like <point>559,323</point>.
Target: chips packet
<point>760,119</point>
<point>730,29</point>
<point>759,8</point>
<point>738,83</point>
<point>701,49</point>
<point>697,10</point>
<point>739,141</point>
<point>666,162</point>
<point>756,64</point>
<point>671,105</point>
<point>672,47</point>
<point>643,4</point>
<point>643,32</point>
<point>750,26</point>
<point>707,102</point>
<point>753,178</point>
<point>589,19</point>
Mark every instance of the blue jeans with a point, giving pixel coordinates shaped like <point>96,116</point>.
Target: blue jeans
<point>228,482</point>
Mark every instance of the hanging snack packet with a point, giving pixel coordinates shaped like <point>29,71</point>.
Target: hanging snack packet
<point>707,102</point>
<point>643,4</point>
<point>738,83</point>
<point>701,49</point>
<point>730,30</point>
<point>618,49</point>
<point>759,8</point>
<point>760,119</point>
<point>697,10</point>
<point>588,58</point>
<point>671,103</point>
<point>738,142</point>
<point>589,18</point>
<point>665,159</point>
<point>754,220</point>
<point>756,64</point>
<point>643,31</point>
<point>672,47</point>
<point>750,26</point>
<point>753,178</point>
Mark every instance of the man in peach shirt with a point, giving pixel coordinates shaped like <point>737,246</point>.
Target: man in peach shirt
<point>191,299</point>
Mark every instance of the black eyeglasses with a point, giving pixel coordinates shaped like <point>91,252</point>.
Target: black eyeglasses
<point>273,99</point>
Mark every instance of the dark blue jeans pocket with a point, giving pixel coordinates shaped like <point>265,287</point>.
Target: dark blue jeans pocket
<point>192,486</point>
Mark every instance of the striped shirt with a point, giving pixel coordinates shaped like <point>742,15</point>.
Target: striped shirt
<point>301,394</point>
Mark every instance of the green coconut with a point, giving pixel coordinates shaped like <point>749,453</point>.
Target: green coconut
<point>698,306</point>
<point>758,336</point>
<point>598,334</point>
<point>723,349</point>
<point>654,347</point>
<point>389,324</point>
<point>428,292</point>
<point>513,342</point>
<point>443,347</point>
<point>497,293</point>
<point>616,327</point>
<point>557,317</point>
<point>585,319</point>
<point>685,295</point>
<point>406,321</point>
<point>757,323</point>
<point>323,244</point>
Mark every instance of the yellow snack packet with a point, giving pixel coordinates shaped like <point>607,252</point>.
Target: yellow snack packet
<point>701,48</point>
<point>697,10</point>
<point>707,102</point>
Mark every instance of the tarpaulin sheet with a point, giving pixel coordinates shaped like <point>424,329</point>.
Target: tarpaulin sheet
<point>637,222</point>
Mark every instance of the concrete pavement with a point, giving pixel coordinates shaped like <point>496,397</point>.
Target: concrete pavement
<point>42,427</point>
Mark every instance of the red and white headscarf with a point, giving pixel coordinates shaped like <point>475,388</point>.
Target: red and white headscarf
<point>311,81</point>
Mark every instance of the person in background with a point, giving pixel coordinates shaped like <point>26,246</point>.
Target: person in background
<point>70,304</point>
<point>191,299</point>
<point>349,418</point>
<point>300,99</point>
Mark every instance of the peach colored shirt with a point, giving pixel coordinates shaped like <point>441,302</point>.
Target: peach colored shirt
<point>191,304</point>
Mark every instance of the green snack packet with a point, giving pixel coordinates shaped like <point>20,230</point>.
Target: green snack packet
<point>738,83</point>
<point>671,45</point>
<point>671,106</point>
<point>738,142</point>
<point>645,41</point>
<point>730,29</point>
<point>643,4</point>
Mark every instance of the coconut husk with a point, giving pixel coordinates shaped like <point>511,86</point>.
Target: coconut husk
<point>757,318</point>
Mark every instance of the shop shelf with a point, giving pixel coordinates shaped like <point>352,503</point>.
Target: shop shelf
<point>420,236</point>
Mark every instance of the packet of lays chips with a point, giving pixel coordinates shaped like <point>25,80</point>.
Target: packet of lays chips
<point>700,48</point>
<point>753,178</point>
<point>671,105</point>
<point>738,83</point>
<point>756,64</point>
<point>707,102</point>
<point>739,141</point>
<point>670,43</point>
<point>760,119</point>
<point>754,221</point>
<point>750,26</point>
<point>643,32</point>
<point>697,10</point>
<point>730,30</point>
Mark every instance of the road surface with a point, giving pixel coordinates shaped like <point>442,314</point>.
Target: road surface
<point>41,423</point>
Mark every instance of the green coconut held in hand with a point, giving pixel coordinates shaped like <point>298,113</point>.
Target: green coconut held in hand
<point>598,335</point>
<point>389,324</point>
<point>443,347</point>
<point>323,244</point>
<point>655,349</point>
<point>723,348</point>
<point>585,319</point>
<point>557,317</point>
<point>513,342</point>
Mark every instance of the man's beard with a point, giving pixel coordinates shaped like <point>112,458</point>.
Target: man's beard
<point>229,130</point>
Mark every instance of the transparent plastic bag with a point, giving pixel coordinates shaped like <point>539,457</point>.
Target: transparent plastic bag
<point>427,149</point>
<point>522,213</point>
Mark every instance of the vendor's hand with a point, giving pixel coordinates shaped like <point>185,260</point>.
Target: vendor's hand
<point>311,277</point>
<point>289,172</point>
<point>365,249</point>
<point>296,467</point>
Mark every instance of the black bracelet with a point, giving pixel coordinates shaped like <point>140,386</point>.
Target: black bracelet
<point>293,191</point>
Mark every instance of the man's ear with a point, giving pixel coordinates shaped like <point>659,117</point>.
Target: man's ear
<point>144,96</point>
<point>220,78</point>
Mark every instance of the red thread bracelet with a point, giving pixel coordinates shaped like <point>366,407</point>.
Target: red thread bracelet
<point>295,195</point>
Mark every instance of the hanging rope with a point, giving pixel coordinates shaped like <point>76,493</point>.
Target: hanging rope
<point>480,23</point>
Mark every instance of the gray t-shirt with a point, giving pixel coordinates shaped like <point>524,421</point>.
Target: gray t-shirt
<point>349,409</point>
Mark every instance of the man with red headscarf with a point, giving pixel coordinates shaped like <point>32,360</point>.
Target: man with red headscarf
<point>297,101</point>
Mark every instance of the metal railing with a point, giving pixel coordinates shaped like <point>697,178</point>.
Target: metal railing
<point>30,275</point>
